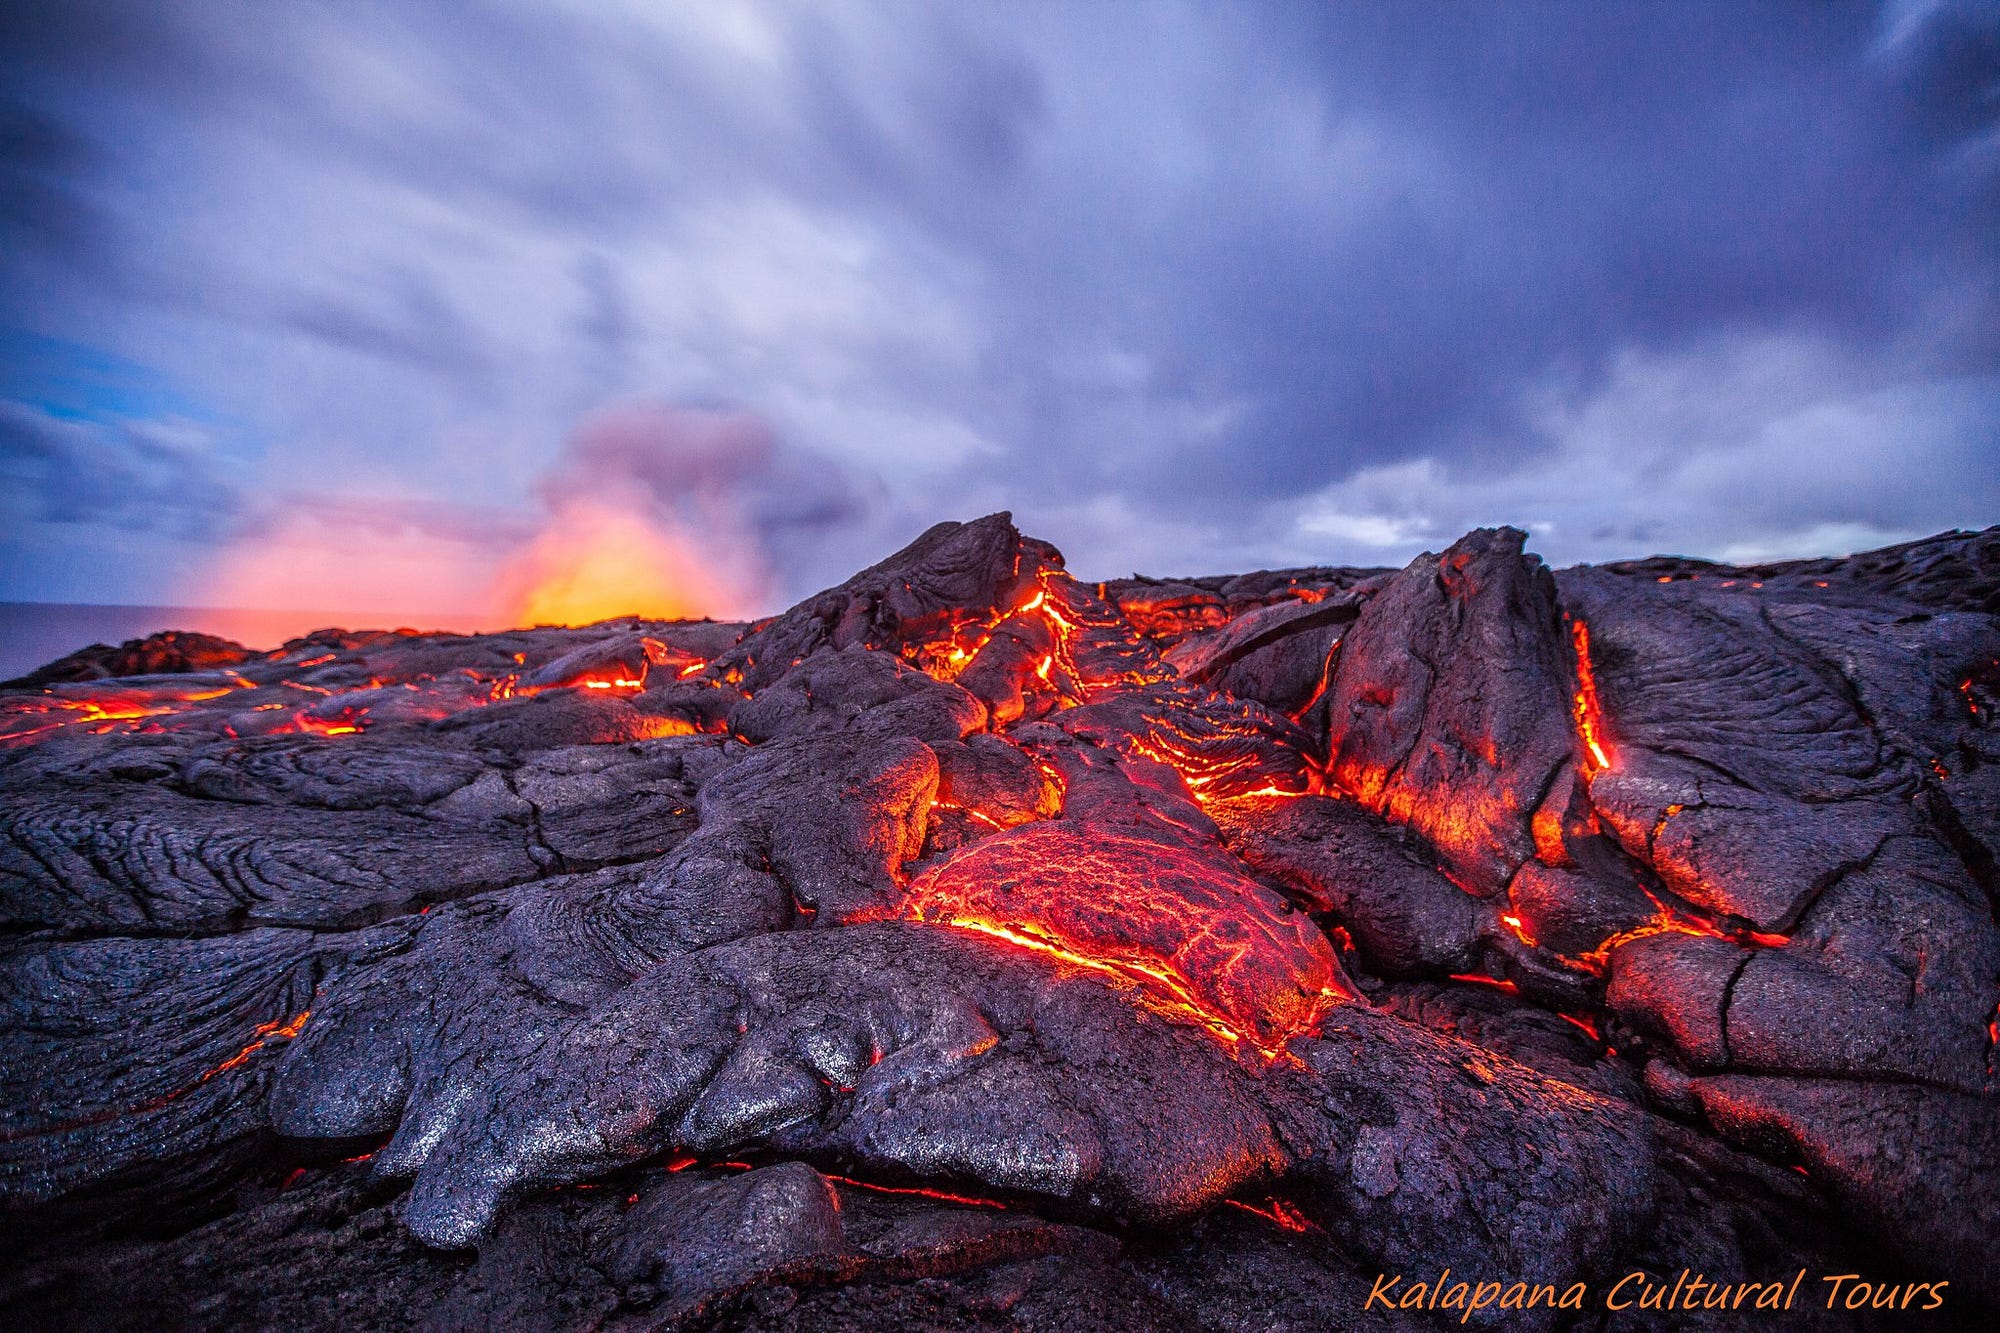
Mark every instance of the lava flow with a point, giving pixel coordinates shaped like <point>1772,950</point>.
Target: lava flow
<point>101,710</point>
<point>1200,941</point>
<point>268,698</point>
<point>1046,909</point>
<point>1589,713</point>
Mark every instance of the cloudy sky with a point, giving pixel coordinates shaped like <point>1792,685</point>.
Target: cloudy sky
<point>388,306</point>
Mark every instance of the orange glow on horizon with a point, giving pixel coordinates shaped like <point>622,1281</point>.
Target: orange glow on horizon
<point>596,562</point>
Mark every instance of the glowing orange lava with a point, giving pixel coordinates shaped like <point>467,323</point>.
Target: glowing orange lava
<point>1181,999</point>
<point>1589,714</point>
<point>306,722</point>
<point>1667,921</point>
<point>1583,1025</point>
<point>963,634</point>
<point>102,708</point>
<point>970,813</point>
<point>1277,1212</point>
<point>919,1192</point>
<point>1992,1041</point>
<point>260,1037</point>
<point>1200,942</point>
<point>1213,767</point>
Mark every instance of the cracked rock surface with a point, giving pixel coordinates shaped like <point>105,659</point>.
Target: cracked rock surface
<point>972,947</point>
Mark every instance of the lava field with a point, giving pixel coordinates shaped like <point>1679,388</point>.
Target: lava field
<point>974,947</point>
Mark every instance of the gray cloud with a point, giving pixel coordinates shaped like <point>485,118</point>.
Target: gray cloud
<point>143,476</point>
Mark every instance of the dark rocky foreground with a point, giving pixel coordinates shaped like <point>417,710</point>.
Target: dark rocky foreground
<point>969,947</point>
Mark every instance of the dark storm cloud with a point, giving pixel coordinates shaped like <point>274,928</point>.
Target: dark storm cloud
<point>1183,285</point>
<point>1589,182</point>
<point>39,157</point>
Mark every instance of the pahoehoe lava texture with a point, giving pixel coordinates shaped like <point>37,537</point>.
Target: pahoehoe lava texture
<point>972,947</point>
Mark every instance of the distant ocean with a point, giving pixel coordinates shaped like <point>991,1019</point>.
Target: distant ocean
<point>33,633</point>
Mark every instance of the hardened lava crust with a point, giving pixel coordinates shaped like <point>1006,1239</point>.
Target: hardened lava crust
<point>974,947</point>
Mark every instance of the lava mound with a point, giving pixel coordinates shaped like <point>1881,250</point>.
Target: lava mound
<point>970,946</point>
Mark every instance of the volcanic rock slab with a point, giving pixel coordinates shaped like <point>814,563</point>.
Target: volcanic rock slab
<point>969,946</point>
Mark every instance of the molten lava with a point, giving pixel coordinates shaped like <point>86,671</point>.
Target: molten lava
<point>917,1191</point>
<point>1481,979</point>
<point>260,1037</point>
<point>1219,755</point>
<point>1666,920</point>
<point>1589,713</point>
<point>1277,1212</point>
<point>1201,942</point>
<point>101,709</point>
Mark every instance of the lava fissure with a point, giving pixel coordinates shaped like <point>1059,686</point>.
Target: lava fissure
<point>260,1038</point>
<point>1588,711</point>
